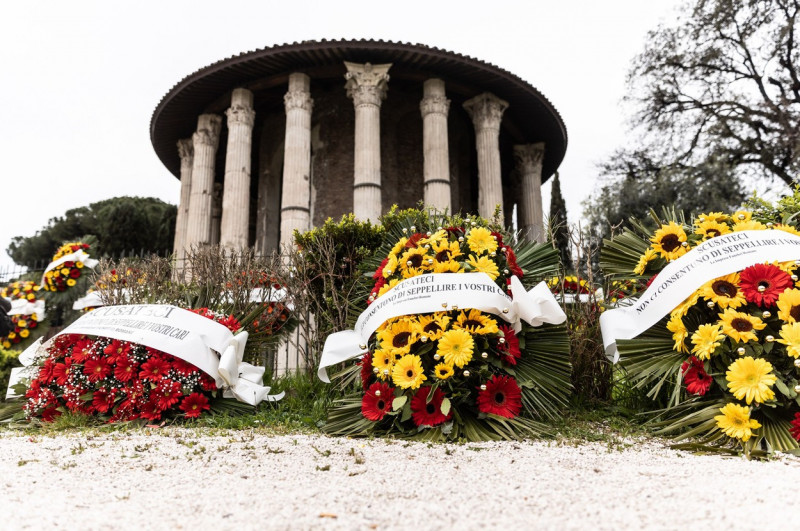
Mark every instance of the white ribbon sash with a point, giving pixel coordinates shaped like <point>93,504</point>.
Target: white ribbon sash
<point>439,292</point>
<point>183,334</point>
<point>26,307</point>
<point>712,259</point>
<point>77,256</point>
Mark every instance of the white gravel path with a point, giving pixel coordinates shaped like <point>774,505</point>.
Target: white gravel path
<point>191,479</point>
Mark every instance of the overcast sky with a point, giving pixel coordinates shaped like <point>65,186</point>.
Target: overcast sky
<point>81,79</point>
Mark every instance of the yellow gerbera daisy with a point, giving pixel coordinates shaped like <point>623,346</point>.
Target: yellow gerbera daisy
<point>735,422</point>
<point>437,237</point>
<point>456,347</point>
<point>398,337</point>
<point>724,291</point>
<point>668,241</point>
<point>24,333</point>
<point>443,371</point>
<point>711,229</point>
<point>407,372</point>
<point>789,305</point>
<point>648,255</point>
<point>484,265</point>
<point>480,240</point>
<point>383,361</point>
<point>475,322</point>
<point>748,225</point>
<point>433,325</point>
<point>706,339</point>
<point>679,333</point>
<point>71,282</point>
<point>750,379</point>
<point>790,336</point>
<point>740,326</point>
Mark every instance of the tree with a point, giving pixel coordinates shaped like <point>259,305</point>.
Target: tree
<point>559,224</point>
<point>722,87</point>
<point>120,224</point>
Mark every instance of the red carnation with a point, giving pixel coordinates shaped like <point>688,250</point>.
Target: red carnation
<point>795,429</point>
<point>379,272</point>
<point>154,369</point>
<point>502,397</point>
<point>499,238</point>
<point>377,401</point>
<point>74,273</point>
<point>762,284</point>
<point>96,369</point>
<point>428,413</point>
<point>510,347</point>
<point>412,241</point>
<point>366,369</point>
<point>694,374</point>
<point>194,404</point>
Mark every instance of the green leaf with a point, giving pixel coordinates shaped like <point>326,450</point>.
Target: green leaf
<point>445,408</point>
<point>399,402</point>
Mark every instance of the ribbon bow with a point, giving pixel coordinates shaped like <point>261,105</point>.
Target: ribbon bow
<point>242,380</point>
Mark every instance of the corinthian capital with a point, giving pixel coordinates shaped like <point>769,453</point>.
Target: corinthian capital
<point>529,157</point>
<point>207,134</point>
<point>186,150</point>
<point>239,114</point>
<point>434,104</point>
<point>367,84</point>
<point>298,99</point>
<point>486,111</point>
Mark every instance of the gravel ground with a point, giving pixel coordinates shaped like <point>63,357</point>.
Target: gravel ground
<point>191,479</point>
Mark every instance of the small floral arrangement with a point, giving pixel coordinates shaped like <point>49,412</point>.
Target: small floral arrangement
<point>569,284</point>
<point>25,326</point>
<point>726,361</point>
<point>459,372</point>
<point>66,274</point>
<point>120,381</point>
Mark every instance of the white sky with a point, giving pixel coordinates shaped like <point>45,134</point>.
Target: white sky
<point>81,79</point>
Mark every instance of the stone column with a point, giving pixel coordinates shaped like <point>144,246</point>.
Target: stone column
<point>530,217</point>
<point>367,85</point>
<point>235,223</point>
<point>296,196</point>
<point>434,108</point>
<point>204,141</point>
<point>216,214</point>
<point>186,152</point>
<point>486,111</point>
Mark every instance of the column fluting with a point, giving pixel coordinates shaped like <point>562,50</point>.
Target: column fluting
<point>205,142</point>
<point>436,169</point>
<point>486,111</point>
<point>235,222</point>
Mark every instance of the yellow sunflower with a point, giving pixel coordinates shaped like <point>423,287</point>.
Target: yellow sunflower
<point>447,267</point>
<point>474,322</point>
<point>711,229</point>
<point>444,251</point>
<point>456,347</point>
<point>398,337</point>
<point>748,225</point>
<point>706,339</point>
<point>648,255</point>
<point>787,228</point>
<point>750,379</point>
<point>433,325</point>
<point>740,326</point>
<point>679,333</point>
<point>407,372</point>
<point>484,265</point>
<point>668,241</point>
<point>683,308</point>
<point>391,266</point>
<point>437,237</point>
<point>399,246</point>
<point>480,240</point>
<point>735,422</point>
<point>383,361</point>
<point>415,260</point>
<point>716,217</point>
<point>389,285</point>
<point>790,336</point>
<point>724,291</point>
<point>789,305</point>
<point>742,216</point>
<point>443,371</point>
